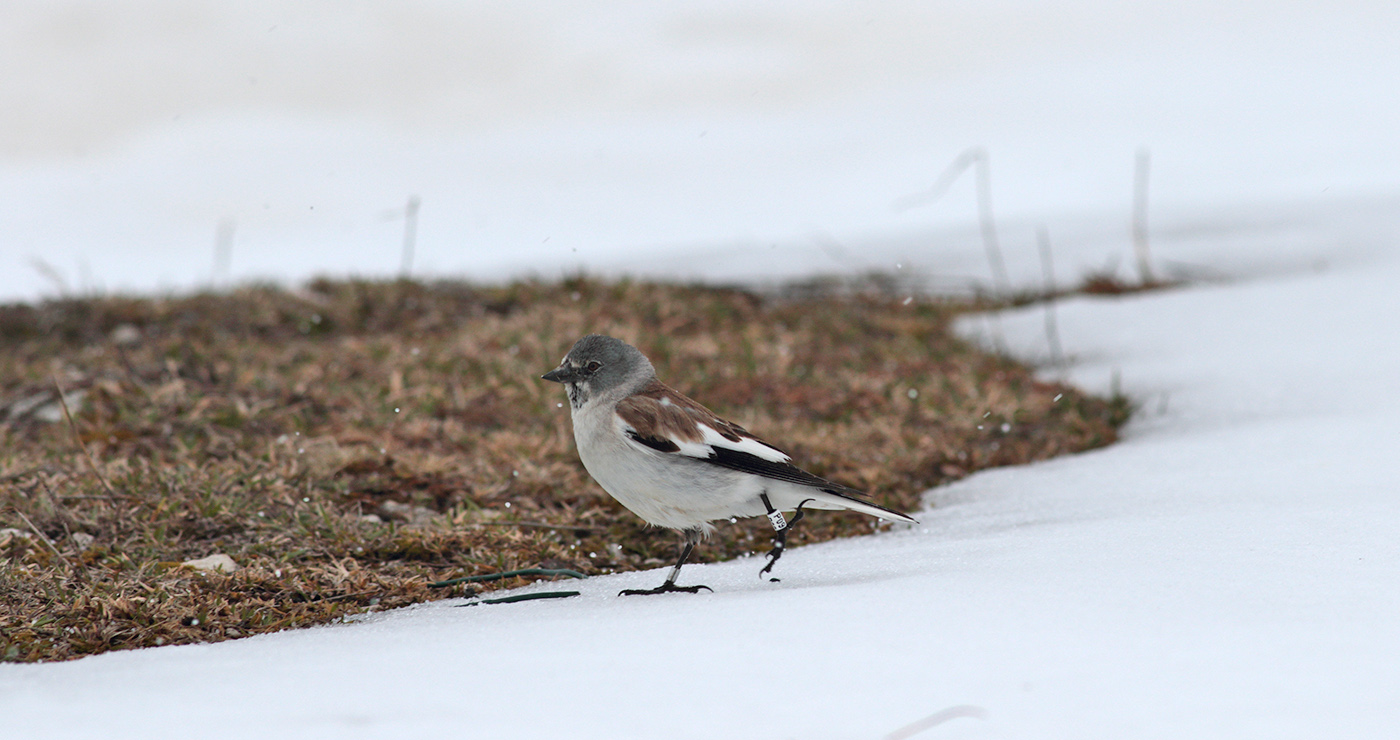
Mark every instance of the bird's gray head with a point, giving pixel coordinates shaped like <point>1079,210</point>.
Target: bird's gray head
<point>598,365</point>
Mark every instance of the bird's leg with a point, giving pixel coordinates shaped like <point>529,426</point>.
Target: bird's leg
<point>692,538</point>
<point>780,531</point>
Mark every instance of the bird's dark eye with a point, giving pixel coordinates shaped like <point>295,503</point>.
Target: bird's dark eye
<point>593,366</point>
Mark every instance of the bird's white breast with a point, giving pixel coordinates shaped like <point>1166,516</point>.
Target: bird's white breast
<point>665,489</point>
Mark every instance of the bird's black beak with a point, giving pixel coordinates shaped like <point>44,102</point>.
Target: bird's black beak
<point>561,374</point>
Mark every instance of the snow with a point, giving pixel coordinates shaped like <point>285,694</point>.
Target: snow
<point>615,138</point>
<point>1228,570</point>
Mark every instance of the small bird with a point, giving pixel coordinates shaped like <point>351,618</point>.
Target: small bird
<point>674,463</point>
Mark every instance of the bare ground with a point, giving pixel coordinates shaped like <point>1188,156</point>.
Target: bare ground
<point>348,443</point>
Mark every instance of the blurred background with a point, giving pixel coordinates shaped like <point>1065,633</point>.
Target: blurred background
<point>171,145</point>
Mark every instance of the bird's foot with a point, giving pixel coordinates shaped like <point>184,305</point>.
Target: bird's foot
<point>780,540</point>
<point>665,588</point>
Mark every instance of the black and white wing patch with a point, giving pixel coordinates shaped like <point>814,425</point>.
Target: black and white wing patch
<point>666,421</point>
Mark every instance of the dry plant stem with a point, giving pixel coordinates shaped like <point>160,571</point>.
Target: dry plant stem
<point>988,223</point>
<point>1052,330</point>
<point>974,157</point>
<point>78,440</point>
<point>223,252</point>
<point>1140,246</point>
<point>543,525</point>
<point>938,718</point>
<point>977,158</point>
<point>410,235</point>
<point>43,537</point>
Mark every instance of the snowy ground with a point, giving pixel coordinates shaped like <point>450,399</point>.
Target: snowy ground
<point>1229,570</point>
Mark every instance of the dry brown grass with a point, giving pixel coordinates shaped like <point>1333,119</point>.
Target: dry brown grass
<point>349,443</point>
